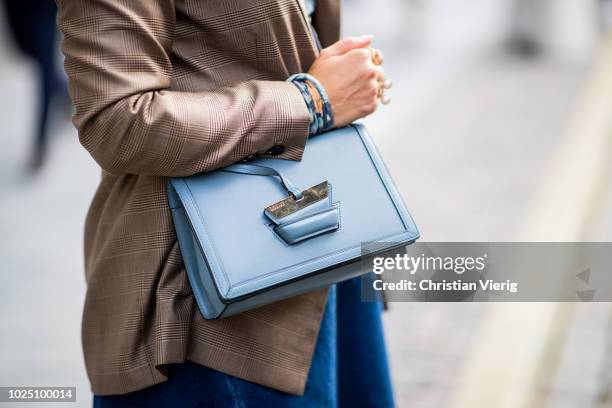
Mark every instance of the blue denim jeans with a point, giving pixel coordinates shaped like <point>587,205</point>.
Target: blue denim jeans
<point>349,369</point>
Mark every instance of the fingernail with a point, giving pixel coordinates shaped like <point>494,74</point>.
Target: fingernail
<point>368,36</point>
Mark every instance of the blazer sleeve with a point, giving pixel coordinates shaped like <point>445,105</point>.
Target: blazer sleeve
<point>119,70</point>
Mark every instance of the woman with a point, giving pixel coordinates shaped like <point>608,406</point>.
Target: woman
<point>38,43</point>
<point>175,88</point>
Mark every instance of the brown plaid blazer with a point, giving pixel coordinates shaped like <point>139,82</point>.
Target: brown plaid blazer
<point>174,88</point>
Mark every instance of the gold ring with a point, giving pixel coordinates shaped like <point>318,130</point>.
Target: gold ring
<point>377,57</point>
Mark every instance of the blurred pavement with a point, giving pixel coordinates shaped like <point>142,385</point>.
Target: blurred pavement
<point>467,138</point>
<point>43,285</point>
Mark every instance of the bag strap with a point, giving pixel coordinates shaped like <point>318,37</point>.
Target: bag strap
<point>255,170</point>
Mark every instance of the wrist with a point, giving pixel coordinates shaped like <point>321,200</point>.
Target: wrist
<point>316,100</point>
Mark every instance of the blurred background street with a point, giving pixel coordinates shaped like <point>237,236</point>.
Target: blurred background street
<point>482,126</point>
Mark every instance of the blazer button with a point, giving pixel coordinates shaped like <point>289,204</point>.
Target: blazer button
<point>249,158</point>
<point>276,150</point>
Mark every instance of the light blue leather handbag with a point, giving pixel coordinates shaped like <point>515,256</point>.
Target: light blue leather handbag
<point>255,233</point>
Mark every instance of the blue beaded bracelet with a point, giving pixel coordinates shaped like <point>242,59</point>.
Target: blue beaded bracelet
<point>320,121</point>
<point>315,123</point>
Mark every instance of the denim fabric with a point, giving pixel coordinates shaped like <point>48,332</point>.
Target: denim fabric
<point>349,369</point>
<point>363,372</point>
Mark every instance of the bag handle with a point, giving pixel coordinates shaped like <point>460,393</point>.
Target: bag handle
<point>256,170</point>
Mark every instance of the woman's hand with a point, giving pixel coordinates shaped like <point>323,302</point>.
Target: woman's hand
<point>350,78</point>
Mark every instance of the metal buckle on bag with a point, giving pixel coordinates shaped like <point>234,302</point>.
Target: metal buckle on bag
<point>291,205</point>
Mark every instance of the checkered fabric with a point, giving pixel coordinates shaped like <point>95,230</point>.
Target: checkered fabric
<point>175,88</point>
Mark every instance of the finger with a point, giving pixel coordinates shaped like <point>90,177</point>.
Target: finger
<point>347,44</point>
<point>380,73</point>
<point>361,56</point>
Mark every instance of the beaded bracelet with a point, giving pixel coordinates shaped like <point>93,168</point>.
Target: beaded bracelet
<point>314,122</point>
<point>316,99</point>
